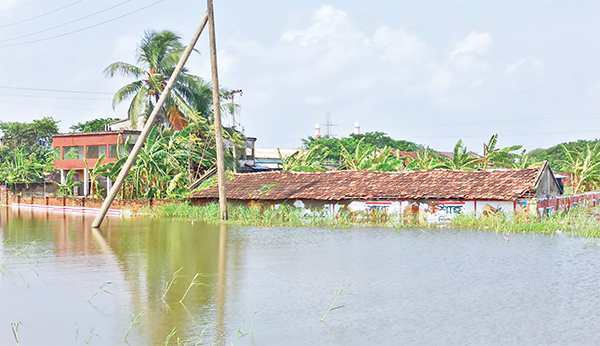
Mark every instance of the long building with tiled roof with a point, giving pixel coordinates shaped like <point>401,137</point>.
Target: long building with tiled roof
<point>502,185</point>
<point>452,191</point>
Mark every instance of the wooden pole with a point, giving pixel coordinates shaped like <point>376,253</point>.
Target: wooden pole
<point>217,113</point>
<point>149,124</point>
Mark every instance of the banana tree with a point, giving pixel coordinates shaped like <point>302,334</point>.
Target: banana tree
<point>585,166</point>
<point>67,188</point>
<point>461,159</point>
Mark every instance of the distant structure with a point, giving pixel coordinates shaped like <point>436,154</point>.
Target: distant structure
<point>317,131</point>
<point>328,125</point>
<point>356,128</point>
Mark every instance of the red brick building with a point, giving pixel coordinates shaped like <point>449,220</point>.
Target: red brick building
<point>74,147</point>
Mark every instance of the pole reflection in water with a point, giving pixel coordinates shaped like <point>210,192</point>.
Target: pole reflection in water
<point>221,286</point>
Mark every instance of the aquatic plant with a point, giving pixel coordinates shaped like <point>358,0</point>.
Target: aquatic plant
<point>171,282</point>
<point>134,321</point>
<point>580,222</point>
<point>338,292</point>
<point>15,330</point>
<point>193,283</point>
<point>100,289</point>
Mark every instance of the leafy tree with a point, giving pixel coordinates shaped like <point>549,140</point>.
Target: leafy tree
<point>303,161</point>
<point>585,166</point>
<point>333,152</point>
<point>21,167</point>
<point>461,160</point>
<point>96,125</point>
<point>427,159</point>
<point>502,157</point>
<point>24,135</point>
<point>556,155</point>
<point>67,188</point>
<point>157,56</point>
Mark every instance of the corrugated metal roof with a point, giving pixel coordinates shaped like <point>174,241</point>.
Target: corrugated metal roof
<point>364,185</point>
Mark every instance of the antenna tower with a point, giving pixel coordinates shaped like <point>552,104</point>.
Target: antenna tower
<point>328,125</point>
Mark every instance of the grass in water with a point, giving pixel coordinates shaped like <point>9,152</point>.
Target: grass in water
<point>100,289</point>
<point>134,321</point>
<point>338,293</point>
<point>579,222</point>
<point>15,330</point>
<point>193,283</point>
<point>171,282</point>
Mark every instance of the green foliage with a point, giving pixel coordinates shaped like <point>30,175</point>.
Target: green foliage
<point>461,160</point>
<point>21,167</point>
<point>577,222</point>
<point>24,135</point>
<point>96,125</point>
<point>332,147</point>
<point>158,54</point>
<point>585,166</point>
<point>556,155</point>
<point>498,157</point>
<point>67,189</point>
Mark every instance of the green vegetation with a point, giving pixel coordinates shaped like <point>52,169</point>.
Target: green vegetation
<point>577,222</point>
<point>157,56</point>
<point>25,154</point>
<point>556,154</point>
<point>331,148</point>
<point>337,294</point>
<point>96,125</point>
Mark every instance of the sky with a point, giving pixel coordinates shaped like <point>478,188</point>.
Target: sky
<point>430,72</point>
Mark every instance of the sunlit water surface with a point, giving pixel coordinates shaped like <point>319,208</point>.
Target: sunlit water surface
<point>69,285</point>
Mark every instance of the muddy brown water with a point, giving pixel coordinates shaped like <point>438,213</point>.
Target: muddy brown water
<point>271,286</point>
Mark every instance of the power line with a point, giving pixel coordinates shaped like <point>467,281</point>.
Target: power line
<point>41,15</point>
<point>58,107</point>
<point>82,29</point>
<point>57,90</point>
<point>67,23</point>
<point>55,97</point>
<point>16,7</point>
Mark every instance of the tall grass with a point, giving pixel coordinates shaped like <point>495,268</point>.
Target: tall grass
<point>581,222</point>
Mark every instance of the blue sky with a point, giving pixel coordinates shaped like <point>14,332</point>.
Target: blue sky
<point>431,72</point>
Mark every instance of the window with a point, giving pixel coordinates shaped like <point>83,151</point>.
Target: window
<point>73,153</point>
<point>114,149</point>
<point>95,151</point>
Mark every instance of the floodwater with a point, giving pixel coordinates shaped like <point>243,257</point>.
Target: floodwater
<point>69,285</point>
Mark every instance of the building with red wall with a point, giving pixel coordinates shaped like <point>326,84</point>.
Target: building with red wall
<point>74,147</point>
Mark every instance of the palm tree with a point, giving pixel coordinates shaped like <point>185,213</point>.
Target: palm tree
<point>157,56</point>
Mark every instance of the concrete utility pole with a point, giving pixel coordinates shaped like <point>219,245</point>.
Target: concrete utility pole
<point>217,110</point>
<point>149,124</point>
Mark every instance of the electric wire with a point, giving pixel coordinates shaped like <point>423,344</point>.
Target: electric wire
<point>58,107</point>
<point>41,15</point>
<point>16,7</point>
<point>67,23</point>
<point>55,97</point>
<point>83,29</point>
<point>57,90</point>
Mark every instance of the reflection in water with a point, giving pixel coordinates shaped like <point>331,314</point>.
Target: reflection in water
<point>221,335</point>
<point>403,287</point>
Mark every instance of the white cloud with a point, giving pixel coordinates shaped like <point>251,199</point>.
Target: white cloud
<point>477,43</point>
<point>529,62</point>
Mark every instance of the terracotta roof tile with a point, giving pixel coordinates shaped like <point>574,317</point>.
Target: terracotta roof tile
<point>364,185</point>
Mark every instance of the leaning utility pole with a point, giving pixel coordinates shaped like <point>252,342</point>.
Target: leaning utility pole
<point>149,124</point>
<point>217,111</point>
